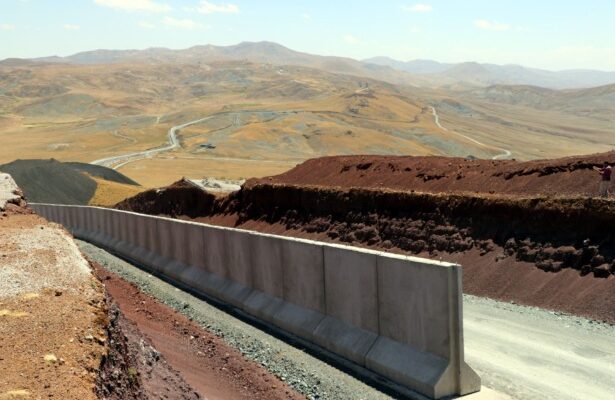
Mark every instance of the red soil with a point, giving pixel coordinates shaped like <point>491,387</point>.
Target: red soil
<point>499,219</point>
<point>212,368</point>
<point>565,176</point>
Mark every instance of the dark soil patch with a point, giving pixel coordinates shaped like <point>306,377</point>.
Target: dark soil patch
<point>50,181</point>
<point>180,199</point>
<point>99,171</point>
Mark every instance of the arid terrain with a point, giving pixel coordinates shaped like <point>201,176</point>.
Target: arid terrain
<point>264,115</point>
<point>466,163</point>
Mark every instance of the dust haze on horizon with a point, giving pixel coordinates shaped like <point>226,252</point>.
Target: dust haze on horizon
<point>547,35</point>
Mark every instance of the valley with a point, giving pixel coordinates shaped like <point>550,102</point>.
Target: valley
<point>262,116</point>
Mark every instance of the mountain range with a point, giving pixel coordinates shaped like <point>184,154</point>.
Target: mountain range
<point>424,73</point>
<point>473,73</point>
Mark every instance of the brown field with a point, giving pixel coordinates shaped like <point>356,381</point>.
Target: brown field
<point>109,193</point>
<point>265,120</point>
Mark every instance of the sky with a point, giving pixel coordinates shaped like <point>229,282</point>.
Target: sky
<point>549,34</point>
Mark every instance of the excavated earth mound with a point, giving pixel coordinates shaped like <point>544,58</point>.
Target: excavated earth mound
<point>519,244</point>
<point>52,181</point>
<point>183,198</point>
<point>569,176</point>
<point>99,171</point>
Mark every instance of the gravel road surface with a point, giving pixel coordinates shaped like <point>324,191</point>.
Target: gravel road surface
<point>519,352</point>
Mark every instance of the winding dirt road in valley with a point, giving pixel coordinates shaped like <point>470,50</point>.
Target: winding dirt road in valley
<point>173,142</point>
<point>504,155</point>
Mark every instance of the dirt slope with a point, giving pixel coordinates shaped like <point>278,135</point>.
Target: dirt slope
<point>52,317</point>
<point>52,181</point>
<point>566,176</point>
<point>518,244</point>
<point>210,366</point>
<point>180,198</point>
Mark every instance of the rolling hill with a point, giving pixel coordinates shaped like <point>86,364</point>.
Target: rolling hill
<point>259,118</point>
<point>425,73</point>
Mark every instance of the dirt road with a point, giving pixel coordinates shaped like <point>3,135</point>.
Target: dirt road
<point>502,156</point>
<point>117,161</point>
<point>529,353</point>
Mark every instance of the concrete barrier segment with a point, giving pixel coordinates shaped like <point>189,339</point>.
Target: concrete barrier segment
<point>304,280</point>
<point>267,263</point>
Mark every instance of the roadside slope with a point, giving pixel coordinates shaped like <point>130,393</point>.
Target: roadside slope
<point>46,287</point>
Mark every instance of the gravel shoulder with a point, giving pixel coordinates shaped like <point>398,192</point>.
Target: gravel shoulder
<point>520,352</point>
<point>304,373</point>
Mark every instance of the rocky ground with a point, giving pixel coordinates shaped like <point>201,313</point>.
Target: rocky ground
<point>52,314</point>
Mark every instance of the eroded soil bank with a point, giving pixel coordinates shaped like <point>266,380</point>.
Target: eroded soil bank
<point>158,353</point>
<point>549,252</point>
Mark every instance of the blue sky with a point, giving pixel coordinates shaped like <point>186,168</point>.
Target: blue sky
<point>547,34</point>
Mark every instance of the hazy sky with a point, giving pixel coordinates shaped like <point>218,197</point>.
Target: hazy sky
<point>552,34</point>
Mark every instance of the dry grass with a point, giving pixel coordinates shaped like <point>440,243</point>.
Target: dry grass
<point>159,172</point>
<point>318,114</point>
<point>110,193</point>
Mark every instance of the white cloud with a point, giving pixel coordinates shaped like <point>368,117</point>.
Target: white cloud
<point>181,23</point>
<point>134,5</point>
<point>6,27</point>
<point>350,39</point>
<point>205,7</point>
<point>418,8</point>
<point>71,27</point>
<point>491,26</point>
<point>145,25</point>
<point>306,16</point>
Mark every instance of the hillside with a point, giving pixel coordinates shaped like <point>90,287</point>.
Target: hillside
<point>530,232</point>
<point>51,181</point>
<point>254,52</point>
<point>259,119</point>
<point>427,73</point>
<point>571,176</point>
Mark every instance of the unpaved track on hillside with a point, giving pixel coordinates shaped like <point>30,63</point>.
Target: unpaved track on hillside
<point>531,353</point>
<point>117,161</point>
<point>504,155</point>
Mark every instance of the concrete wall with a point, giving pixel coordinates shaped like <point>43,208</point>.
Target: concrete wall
<point>398,316</point>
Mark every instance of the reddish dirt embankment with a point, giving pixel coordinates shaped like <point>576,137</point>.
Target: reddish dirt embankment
<point>561,177</point>
<point>196,363</point>
<point>181,198</point>
<point>517,245</point>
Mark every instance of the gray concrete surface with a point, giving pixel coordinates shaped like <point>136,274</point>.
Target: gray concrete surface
<point>398,316</point>
<point>308,375</point>
<point>520,352</point>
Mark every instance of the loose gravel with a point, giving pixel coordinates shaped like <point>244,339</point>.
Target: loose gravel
<point>308,375</point>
